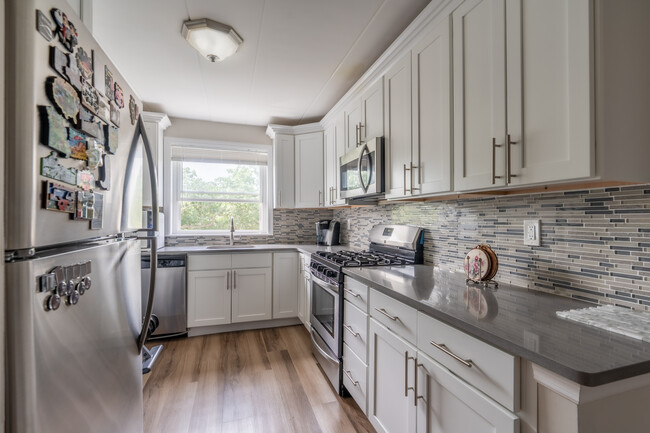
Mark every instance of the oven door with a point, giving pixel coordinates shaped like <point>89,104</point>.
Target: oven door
<point>325,314</point>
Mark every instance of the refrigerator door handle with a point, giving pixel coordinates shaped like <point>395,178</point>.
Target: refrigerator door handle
<point>140,132</point>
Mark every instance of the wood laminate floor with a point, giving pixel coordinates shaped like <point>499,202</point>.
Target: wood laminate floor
<point>249,381</point>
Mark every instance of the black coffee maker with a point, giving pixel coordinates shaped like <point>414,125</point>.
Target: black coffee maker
<point>328,232</point>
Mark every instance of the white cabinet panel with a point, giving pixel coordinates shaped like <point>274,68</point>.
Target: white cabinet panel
<point>390,381</point>
<point>355,330</point>
<point>252,291</point>
<point>372,111</point>
<point>479,94</point>
<point>208,298</point>
<point>355,373</point>
<point>284,158</point>
<point>446,404</point>
<point>397,125</point>
<point>352,116</point>
<point>309,170</point>
<point>285,285</point>
<point>394,315</point>
<point>254,260</point>
<point>549,90</point>
<point>208,262</point>
<point>331,165</point>
<point>431,150</point>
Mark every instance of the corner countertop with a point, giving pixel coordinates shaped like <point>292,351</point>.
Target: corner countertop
<point>244,248</point>
<point>516,320</point>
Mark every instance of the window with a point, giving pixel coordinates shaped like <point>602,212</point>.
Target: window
<point>212,182</point>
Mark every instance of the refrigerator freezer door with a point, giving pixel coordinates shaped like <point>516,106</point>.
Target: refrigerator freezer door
<point>77,368</point>
<point>27,71</point>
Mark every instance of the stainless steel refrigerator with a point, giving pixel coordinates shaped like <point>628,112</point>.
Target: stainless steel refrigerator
<point>73,294</point>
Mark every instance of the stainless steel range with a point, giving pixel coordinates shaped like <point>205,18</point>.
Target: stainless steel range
<point>390,245</point>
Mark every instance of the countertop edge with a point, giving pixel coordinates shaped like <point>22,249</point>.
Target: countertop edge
<point>590,379</point>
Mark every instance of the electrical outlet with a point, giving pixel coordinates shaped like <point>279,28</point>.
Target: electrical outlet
<point>532,234</point>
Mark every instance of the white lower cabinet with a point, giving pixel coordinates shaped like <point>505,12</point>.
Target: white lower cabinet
<point>447,404</point>
<point>208,298</point>
<point>252,292</point>
<point>285,285</point>
<point>390,382</point>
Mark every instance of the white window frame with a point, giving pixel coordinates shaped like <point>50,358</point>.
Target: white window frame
<point>172,180</point>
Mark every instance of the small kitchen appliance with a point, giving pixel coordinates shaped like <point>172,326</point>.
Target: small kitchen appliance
<point>328,232</point>
<point>390,245</point>
<point>362,172</point>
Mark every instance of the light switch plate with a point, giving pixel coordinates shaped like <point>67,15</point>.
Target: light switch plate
<point>532,234</point>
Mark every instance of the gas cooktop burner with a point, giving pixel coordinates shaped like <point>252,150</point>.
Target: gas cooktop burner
<point>360,258</point>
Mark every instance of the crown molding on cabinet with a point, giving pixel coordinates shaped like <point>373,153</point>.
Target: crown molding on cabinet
<point>160,118</point>
<point>434,12</point>
<point>272,129</point>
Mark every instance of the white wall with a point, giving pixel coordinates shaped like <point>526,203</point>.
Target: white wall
<point>203,130</point>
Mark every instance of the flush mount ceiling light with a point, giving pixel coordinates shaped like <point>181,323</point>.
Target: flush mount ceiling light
<point>215,41</point>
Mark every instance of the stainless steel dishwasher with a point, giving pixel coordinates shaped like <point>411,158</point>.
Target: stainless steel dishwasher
<point>170,295</point>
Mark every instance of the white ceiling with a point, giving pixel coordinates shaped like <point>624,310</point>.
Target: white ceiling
<point>299,57</point>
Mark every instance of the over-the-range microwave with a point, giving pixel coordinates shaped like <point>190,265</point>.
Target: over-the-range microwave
<point>362,171</point>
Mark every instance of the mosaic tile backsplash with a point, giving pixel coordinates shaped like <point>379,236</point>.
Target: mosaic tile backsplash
<point>595,244</point>
<point>290,226</point>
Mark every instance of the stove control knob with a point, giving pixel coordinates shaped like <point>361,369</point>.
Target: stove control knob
<point>87,282</point>
<point>53,302</point>
<point>71,286</point>
<point>81,287</point>
<point>62,289</point>
<point>73,298</point>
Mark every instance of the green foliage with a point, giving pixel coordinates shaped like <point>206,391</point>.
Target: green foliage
<point>215,215</point>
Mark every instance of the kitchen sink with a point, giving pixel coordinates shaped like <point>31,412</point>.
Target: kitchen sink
<point>229,247</point>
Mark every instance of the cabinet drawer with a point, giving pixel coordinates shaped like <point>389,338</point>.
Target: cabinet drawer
<point>394,315</point>
<point>355,330</point>
<point>354,377</point>
<point>357,293</point>
<point>492,371</point>
<point>208,262</point>
<point>257,260</point>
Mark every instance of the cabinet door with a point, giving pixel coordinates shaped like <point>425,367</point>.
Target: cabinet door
<point>208,298</point>
<point>340,151</point>
<point>447,404</point>
<point>479,94</point>
<point>397,123</point>
<point>284,158</point>
<point>432,111</point>
<point>390,382</point>
<point>301,297</point>
<point>331,164</point>
<point>352,115</point>
<point>309,170</point>
<point>549,90</point>
<point>372,111</point>
<point>307,293</point>
<point>285,285</point>
<point>252,291</point>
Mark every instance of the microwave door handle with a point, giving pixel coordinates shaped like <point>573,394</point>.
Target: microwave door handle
<point>364,151</point>
<point>140,132</point>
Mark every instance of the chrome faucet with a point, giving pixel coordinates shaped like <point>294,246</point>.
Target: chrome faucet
<point>232,231</point>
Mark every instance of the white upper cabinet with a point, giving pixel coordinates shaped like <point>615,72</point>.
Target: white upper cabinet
<point>549,91</point>
<point>331,165</point>
<point>284,158</point>
<point>479,94</point>
<point>372,112</point>
<point>352,116</point>
<point>309,167</point>
<point>397,126</point>
<point>533,58</point>
<point>154,125</point>
<point>431,148</point>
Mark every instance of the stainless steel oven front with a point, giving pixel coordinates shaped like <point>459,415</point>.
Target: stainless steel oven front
<point>326,328</point>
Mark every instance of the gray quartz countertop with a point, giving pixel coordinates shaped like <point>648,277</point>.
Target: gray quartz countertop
<point>519,321</point>
<point>244,248</point>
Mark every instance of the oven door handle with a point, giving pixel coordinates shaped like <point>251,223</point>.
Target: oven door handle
<point>330,287</point>
<point>322,352</point>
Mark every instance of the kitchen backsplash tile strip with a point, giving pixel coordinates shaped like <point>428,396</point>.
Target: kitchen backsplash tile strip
<point>290,226</point>
<point>595,244</point>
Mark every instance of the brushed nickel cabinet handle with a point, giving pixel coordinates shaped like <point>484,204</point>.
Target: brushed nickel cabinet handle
<point>494,149</point>
<point>466,362</point>
<point>349,375</point>
<point>417,397</point>
<point>351,331</point>
<point>509,167</point>
<point>320,193</point>
<point>382,311</point>
<point>405,169</point>
<point>356,295</point>
<point>234,279</point>
<point>228,280</point>
<point>411,177</point>
<point>406,373</point>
